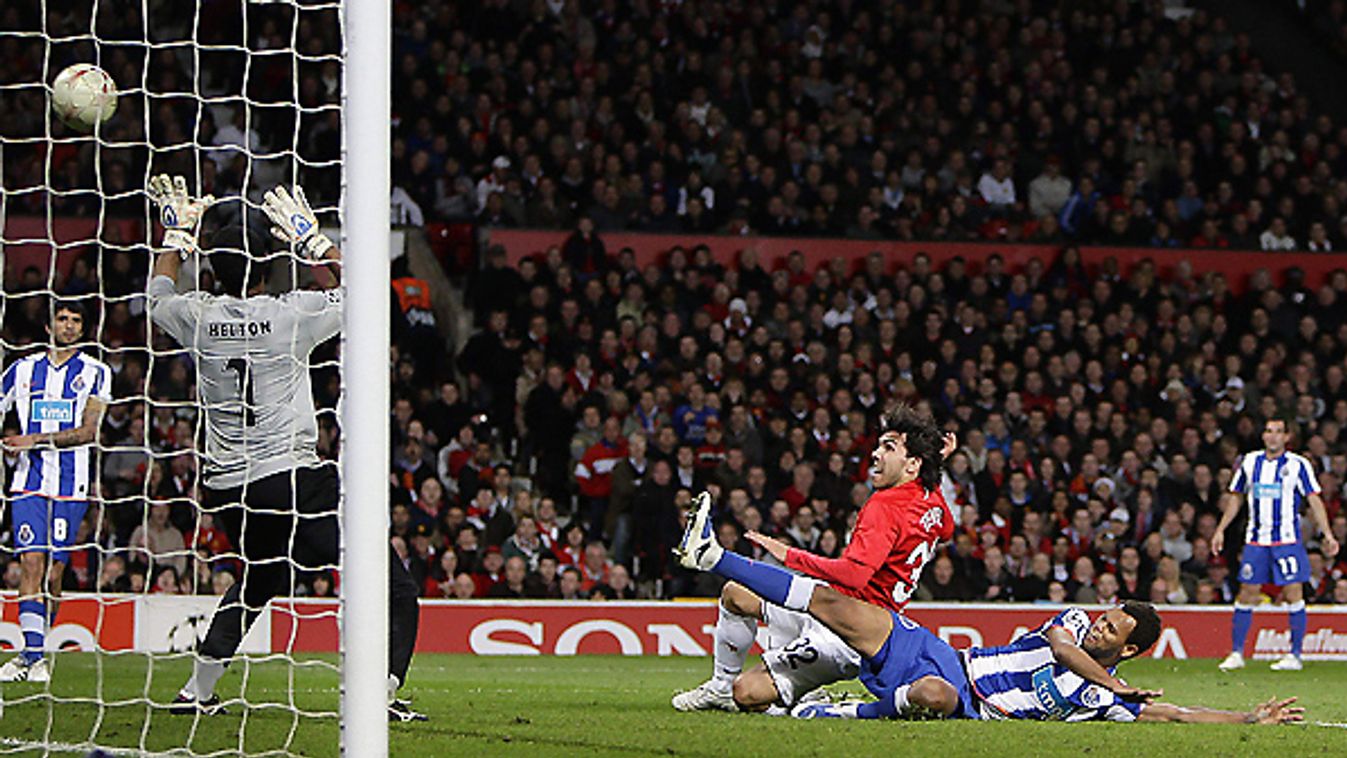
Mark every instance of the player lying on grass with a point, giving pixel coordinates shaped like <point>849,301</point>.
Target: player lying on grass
<point>1061,671</point>
<point>896,533</point>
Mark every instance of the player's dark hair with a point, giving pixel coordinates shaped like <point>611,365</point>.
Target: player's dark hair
<point>1147,630</point>
<point>235,269</point>
<point>922,439</point>
<point>1288,422</point>
<point>69,306</point>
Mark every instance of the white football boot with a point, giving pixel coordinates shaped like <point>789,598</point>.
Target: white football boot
<point>706,697</point>
<point>698,548</point>
<point>1233,661</point>
<point>1288,662</point>
<point>14,670</point>
<point>40,671</point>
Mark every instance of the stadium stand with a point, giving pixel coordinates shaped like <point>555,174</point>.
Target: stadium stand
<point>1100,408</point>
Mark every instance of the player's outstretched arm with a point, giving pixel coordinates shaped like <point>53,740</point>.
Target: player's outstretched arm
<point>180,214</point>
<point>1274,711</point>
<point>870,545</point>
<point>1082,664</point>
<point>294,223</point>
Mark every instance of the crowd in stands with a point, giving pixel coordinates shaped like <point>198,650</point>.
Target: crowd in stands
<point>1099,413</point>
<point>1092,122</point>
<point>1328,21</point>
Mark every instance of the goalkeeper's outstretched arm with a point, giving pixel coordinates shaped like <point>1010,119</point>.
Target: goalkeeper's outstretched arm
<point>294,223</point>
<point>180,213</point>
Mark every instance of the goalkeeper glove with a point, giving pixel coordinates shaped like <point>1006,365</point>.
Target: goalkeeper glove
<point>295,223</point>
<point>179,212</point>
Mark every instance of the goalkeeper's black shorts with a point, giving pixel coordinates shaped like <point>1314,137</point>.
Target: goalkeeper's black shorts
<point>290,514</point>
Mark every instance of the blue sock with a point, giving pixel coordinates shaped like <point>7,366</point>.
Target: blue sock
<point>771,583</point>
<point>877,709</point>
<point>885,707</point>
<point>33,623</point>
<point>1239,628</point>
<point>1298,623</point>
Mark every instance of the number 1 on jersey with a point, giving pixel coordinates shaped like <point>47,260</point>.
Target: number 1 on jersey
<point>245,379</point>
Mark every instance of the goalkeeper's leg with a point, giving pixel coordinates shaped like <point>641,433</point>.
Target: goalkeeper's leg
<point>404,616</point>
<point>319,541</point>
<point>262,536</point>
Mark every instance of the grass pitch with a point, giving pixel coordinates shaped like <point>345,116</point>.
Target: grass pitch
<point>599,705</point>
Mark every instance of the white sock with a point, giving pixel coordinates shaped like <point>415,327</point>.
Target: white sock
<point>393,686</point>
<point>734,635</point>
<point>900,702</point>
<point>205,674</point>
<point>799,594</point>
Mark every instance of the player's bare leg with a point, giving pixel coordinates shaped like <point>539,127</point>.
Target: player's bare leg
<point>55,573</point>
<point>934,694</point>
<point>30,664</point>
<point>864,627</point>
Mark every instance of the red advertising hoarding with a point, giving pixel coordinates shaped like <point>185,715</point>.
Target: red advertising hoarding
<point>684,628</point>
<point>772,251</point>
<point>159,622</point>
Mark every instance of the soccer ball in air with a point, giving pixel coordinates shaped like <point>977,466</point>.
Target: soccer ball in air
<point>83,95</point>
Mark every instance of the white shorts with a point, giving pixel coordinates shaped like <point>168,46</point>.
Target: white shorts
<point>803,654</point>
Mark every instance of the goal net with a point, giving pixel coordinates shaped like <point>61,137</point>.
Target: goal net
<point>237,96</point>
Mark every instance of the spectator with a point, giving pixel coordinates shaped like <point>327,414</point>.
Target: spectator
<point>157,543</point>
<point>941,583</point>
<point>996,187</point>
<point>1049,191</point>
<point>1276,237</point>
<point>511,584</point>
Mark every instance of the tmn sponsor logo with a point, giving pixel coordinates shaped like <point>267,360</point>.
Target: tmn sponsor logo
<point>1321,642</point>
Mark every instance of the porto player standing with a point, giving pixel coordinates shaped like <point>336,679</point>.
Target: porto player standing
<point>896,534</point>
<point>1276,482</point>
<point>60,395</point>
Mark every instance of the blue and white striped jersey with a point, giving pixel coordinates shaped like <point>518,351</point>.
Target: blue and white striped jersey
<point>1023,680</point>
<point>1276,489</point>
<point>51,398</point>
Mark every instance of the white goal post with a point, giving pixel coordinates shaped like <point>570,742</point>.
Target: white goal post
<point>367,30</point>
<point>237,97</point>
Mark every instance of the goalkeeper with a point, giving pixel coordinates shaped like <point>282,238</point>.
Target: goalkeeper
<point>261,472</point>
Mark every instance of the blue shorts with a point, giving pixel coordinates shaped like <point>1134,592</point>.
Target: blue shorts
<point>910,653</point>
<point>1279,564</point>
<point>33,514</point>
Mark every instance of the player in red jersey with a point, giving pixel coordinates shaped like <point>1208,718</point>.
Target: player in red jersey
<point>896,534</point>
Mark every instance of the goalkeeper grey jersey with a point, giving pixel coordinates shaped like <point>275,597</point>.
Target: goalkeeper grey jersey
<point>252,360</point>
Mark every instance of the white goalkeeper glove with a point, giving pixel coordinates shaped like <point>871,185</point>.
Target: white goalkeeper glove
<point>179,212</point>
<point>295,223</point>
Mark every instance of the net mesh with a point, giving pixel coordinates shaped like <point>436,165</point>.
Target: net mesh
<point>237,97</point>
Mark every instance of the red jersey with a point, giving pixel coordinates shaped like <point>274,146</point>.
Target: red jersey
<point>896,534</point>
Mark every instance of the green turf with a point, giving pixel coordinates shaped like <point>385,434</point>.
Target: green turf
<point>620,706</point>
